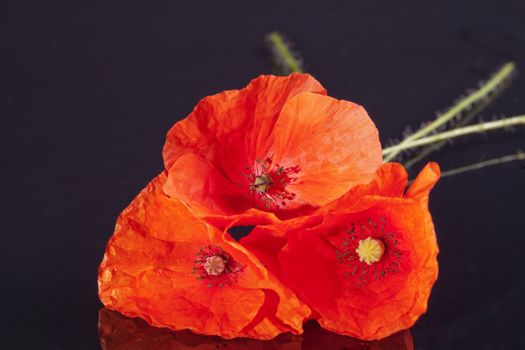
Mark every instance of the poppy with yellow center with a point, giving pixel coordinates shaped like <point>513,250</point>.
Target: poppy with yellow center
<point>373,251</point>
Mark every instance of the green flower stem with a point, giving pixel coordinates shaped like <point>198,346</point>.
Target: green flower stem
<point>477,128</point>
<point>510,158</point>
<point>463,104</point>
<point>277,41</point>
<point>425,151</point>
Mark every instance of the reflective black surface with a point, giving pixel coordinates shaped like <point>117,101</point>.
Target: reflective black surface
<point>91,89</point>
<point>118,332</point>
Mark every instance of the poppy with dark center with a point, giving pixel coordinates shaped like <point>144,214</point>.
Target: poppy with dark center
<point>173,270</point>
<point>365,263</point>
<point>280,146</point>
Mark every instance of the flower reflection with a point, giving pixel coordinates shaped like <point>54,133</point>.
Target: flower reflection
<point>118,332</point>
<point>315,337</point>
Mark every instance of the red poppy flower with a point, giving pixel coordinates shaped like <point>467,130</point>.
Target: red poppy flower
<point>171,269</point>
<point>364,263</point>
<point>280,145</point>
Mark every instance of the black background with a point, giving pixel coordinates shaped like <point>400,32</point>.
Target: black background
<point>91,90</point>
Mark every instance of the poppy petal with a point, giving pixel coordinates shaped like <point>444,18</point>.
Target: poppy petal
<point>249,113</point>
<point>347,154</point>
<point>424,182</point>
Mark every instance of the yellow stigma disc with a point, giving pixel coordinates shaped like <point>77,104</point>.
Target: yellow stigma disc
<point>370,250</point>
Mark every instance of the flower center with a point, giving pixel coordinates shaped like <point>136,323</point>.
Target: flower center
<point>261,183</point>
<point>267,184</point>
<point>370,250</point>
<point>214,265</point>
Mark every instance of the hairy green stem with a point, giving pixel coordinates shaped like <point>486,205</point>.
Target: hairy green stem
<point>510,158</point>
<point>455,110</point>
<point>284,52</point>
<point>477,128</point>
<point>425,151</point>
